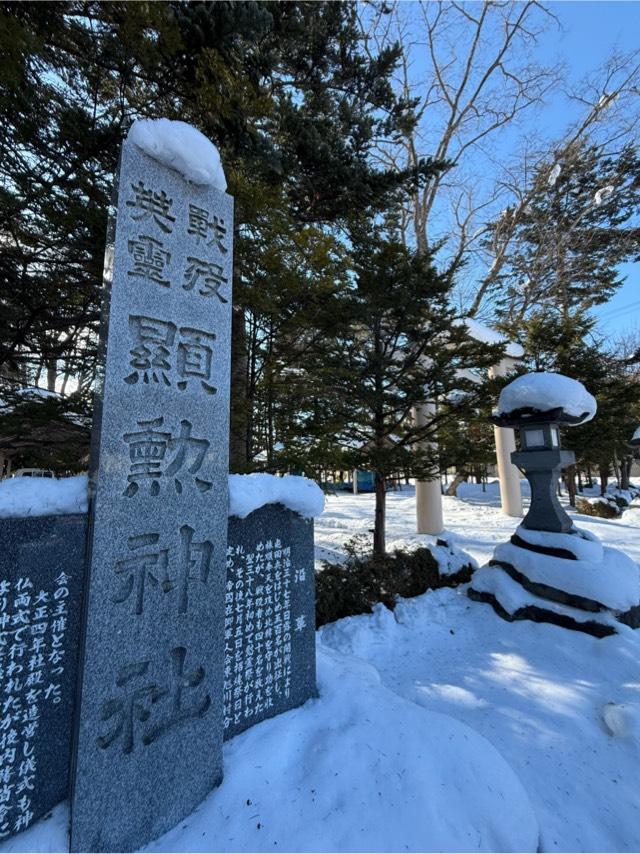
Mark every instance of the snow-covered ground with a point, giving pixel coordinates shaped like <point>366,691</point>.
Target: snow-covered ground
<point>438,727</point>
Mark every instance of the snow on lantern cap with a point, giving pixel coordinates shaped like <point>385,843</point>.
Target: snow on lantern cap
<point>543,398</point>
<point>635,439</point>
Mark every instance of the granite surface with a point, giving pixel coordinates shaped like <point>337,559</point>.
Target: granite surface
<point>269,621</point>
<point>148,740</point>
<point>41,569</point>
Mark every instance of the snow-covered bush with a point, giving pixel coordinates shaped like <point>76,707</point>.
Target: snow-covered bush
<point>357,586</point>
<point>602,507</point>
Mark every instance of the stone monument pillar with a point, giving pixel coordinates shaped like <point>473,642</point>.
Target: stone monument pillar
<point>149,731</point>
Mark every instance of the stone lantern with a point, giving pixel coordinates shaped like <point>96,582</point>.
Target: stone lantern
<point>634,444</point>
<point>541,459</point>
<point>536,405</point>
<point>551,571</point>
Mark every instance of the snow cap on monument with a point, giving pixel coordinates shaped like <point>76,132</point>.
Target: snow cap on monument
<point>182,147</point>
<point>544,392</point>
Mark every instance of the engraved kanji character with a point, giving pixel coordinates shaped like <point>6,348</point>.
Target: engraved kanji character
<point>200,226</point>
<point>301,575</point>
<point>144,566</point>
<point>147,449</point>
<point>137,703</point>
<point>151,350</point>
<point>23,821</point>
<point>183,444</point>
<point>149,259</point>
<point>151,204</point>
<point>208,275</point>
<point>195,357</point>
<point>194,557</point>
<point>127,709</point>
<point>24,584</point>
<point>22,600</point>
<point>179,682</point>
<point>301,623</point>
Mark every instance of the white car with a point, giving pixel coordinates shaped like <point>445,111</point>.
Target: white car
<point>33,473</point>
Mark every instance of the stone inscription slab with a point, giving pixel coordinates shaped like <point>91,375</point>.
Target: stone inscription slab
<point>41,568</point>
<point>269,617</point>
<point>149,732</point>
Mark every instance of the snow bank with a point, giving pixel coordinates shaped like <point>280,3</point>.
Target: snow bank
<point>622,720</point>
<point>358,769</point>
<point>545,391</point>
<point>613,582</point>
<point>181,147</point>
<point>42,496</point>
<point>26,496</point>
<point>483,333</point>
<point>248,492</point>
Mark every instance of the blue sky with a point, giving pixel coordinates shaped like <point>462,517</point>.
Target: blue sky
<point>590,31</point>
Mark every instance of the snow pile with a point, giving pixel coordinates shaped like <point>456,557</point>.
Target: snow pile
<point>480,332</point>
<point>26,496</point>
<point>636,436</point>
<point>450,559</point>
<point>543,392</point>
<point>181,147</point>
<point>43,496</point>
<point>358,769</point>
<point>248,492</point>
<point>535,691</point>
<point>622,720</point>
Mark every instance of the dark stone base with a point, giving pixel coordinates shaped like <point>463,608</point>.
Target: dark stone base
<point>553,594</point>
<point>541,615</point>
<point>565,554</point>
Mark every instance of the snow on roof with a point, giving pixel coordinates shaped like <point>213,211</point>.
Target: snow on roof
<point>487,335</point>
<point>636,435</point>
<point>545,391</point>
<point>181,147</point>
<point>25,496</point>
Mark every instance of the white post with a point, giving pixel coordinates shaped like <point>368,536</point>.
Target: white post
<point>508,474</point>
<point>428,492</point>
<point>355,481</point>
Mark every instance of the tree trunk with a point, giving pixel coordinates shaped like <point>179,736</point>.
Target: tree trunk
<point>589,478</point>
<point>625,472</point>
<point>52,374</point>
<point>455,483</point>
<point>603,471</point>
<point>570,480</point>
<point>379,543</point>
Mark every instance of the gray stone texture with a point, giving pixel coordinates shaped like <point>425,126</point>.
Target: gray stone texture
<point>269,646</point>
<point>542,470</point>
<point>41,569</point>
<point>148,741</point>
<point>41,548</point>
